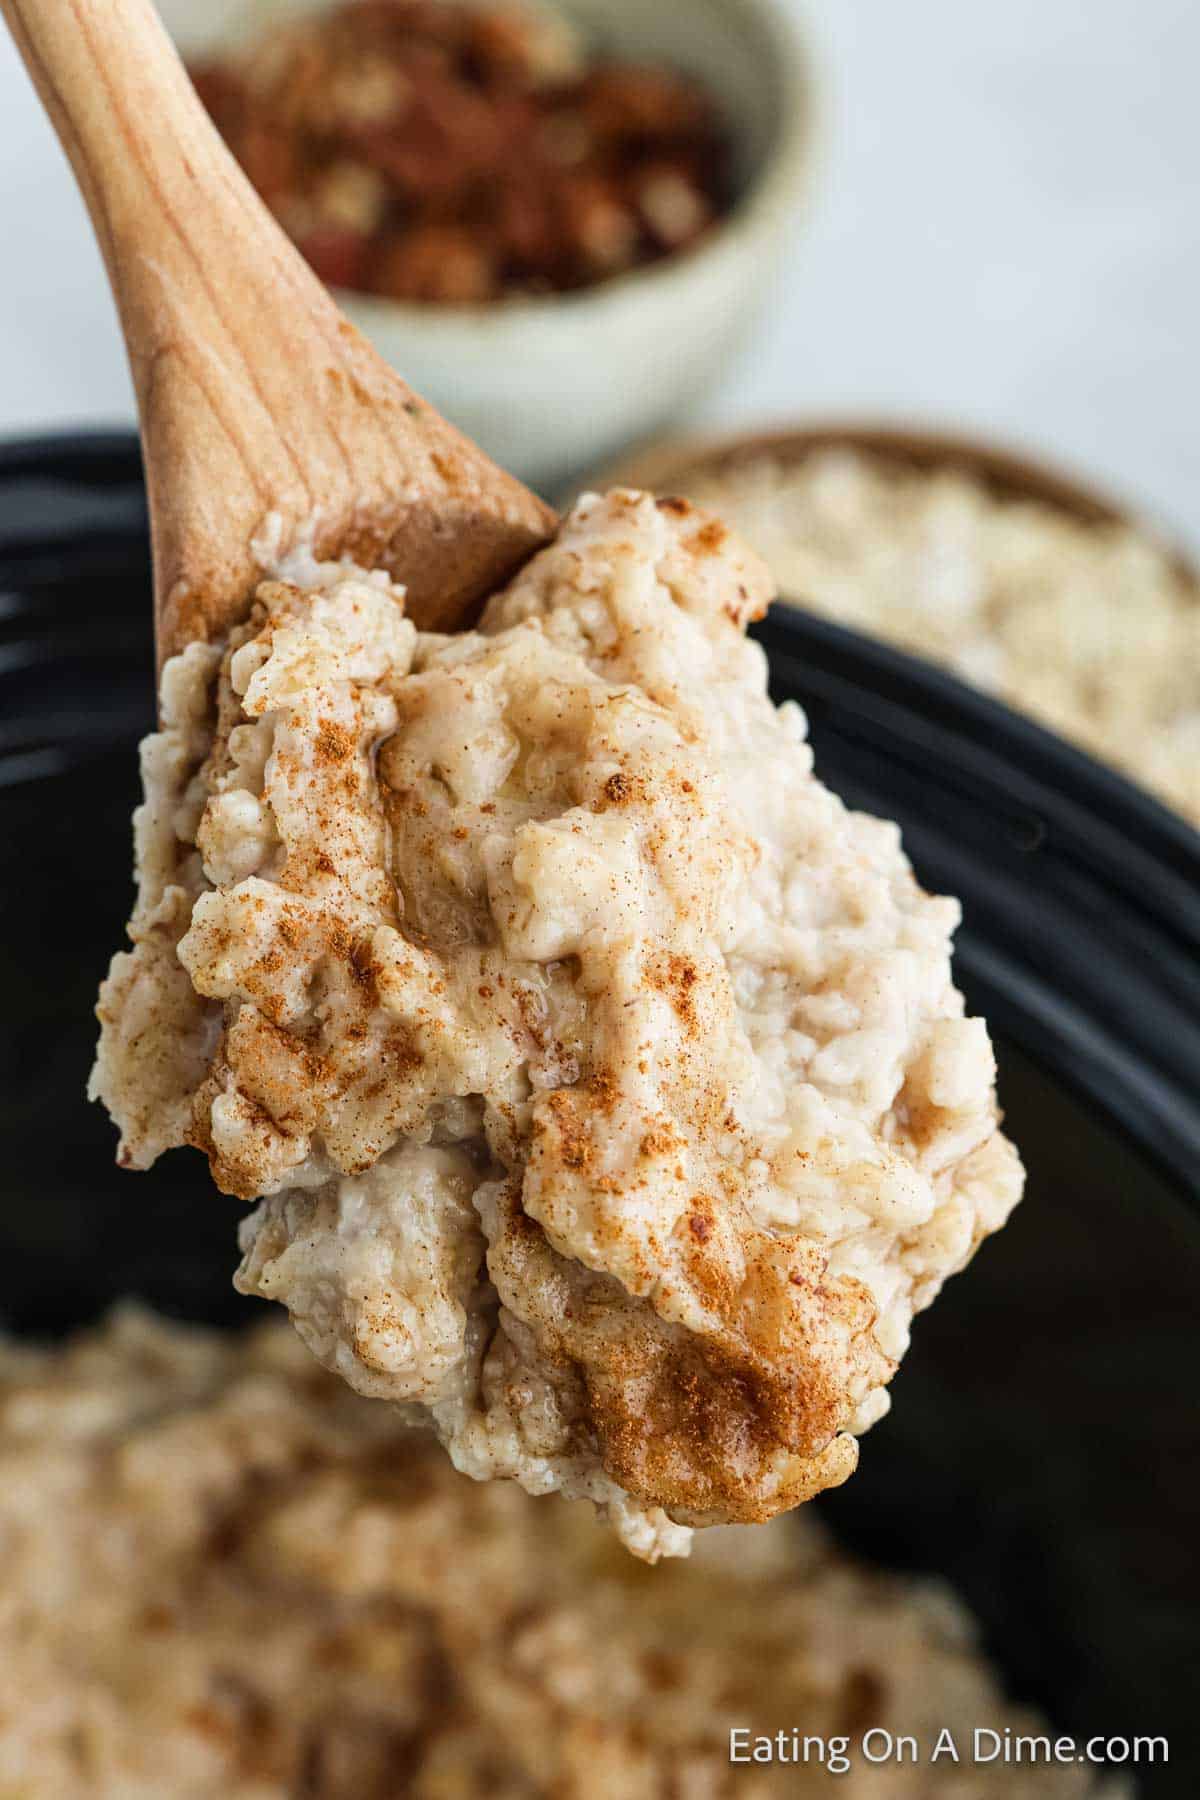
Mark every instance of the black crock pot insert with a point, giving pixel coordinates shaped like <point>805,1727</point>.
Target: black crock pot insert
<point>1043,1452</point>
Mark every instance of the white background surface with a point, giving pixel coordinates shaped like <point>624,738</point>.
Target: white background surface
<point>1005,236</point>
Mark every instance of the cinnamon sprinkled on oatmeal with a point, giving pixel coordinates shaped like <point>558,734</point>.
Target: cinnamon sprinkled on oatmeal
<point>601,1078</point>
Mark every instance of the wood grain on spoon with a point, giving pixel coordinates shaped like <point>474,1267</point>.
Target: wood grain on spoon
<point>265,416</point>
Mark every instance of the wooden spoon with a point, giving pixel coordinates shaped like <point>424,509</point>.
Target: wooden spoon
<point>267,420</point>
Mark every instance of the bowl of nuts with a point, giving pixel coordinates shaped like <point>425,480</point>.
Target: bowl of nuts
<point>556,219</point>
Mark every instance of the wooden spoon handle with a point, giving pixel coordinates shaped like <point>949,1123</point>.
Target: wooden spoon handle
<point>266,418</point>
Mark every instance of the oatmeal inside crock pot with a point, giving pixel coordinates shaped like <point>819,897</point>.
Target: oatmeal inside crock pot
<point>229,1578</point>
<point>600,1078</point>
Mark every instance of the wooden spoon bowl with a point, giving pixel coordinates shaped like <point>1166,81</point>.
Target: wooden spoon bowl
<point>268,422</point>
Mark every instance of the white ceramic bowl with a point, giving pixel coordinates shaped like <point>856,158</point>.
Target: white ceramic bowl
<point>551,385</point>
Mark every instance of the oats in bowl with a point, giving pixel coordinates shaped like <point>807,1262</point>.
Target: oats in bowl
<point>1088,623</point>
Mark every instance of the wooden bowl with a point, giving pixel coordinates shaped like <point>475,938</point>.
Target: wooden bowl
<point>1009,474</point>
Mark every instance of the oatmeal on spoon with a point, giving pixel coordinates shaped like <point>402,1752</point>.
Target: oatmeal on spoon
<point>599,1079</point>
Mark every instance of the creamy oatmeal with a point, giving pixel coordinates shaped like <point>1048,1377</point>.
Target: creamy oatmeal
<point>228,1578</point>
<point>600,1078</point>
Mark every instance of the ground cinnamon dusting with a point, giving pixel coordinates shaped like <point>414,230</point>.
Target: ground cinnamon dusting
<point>600,1079</point>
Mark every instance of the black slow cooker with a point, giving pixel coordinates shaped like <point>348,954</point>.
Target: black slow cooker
<point>1043,1453</point>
